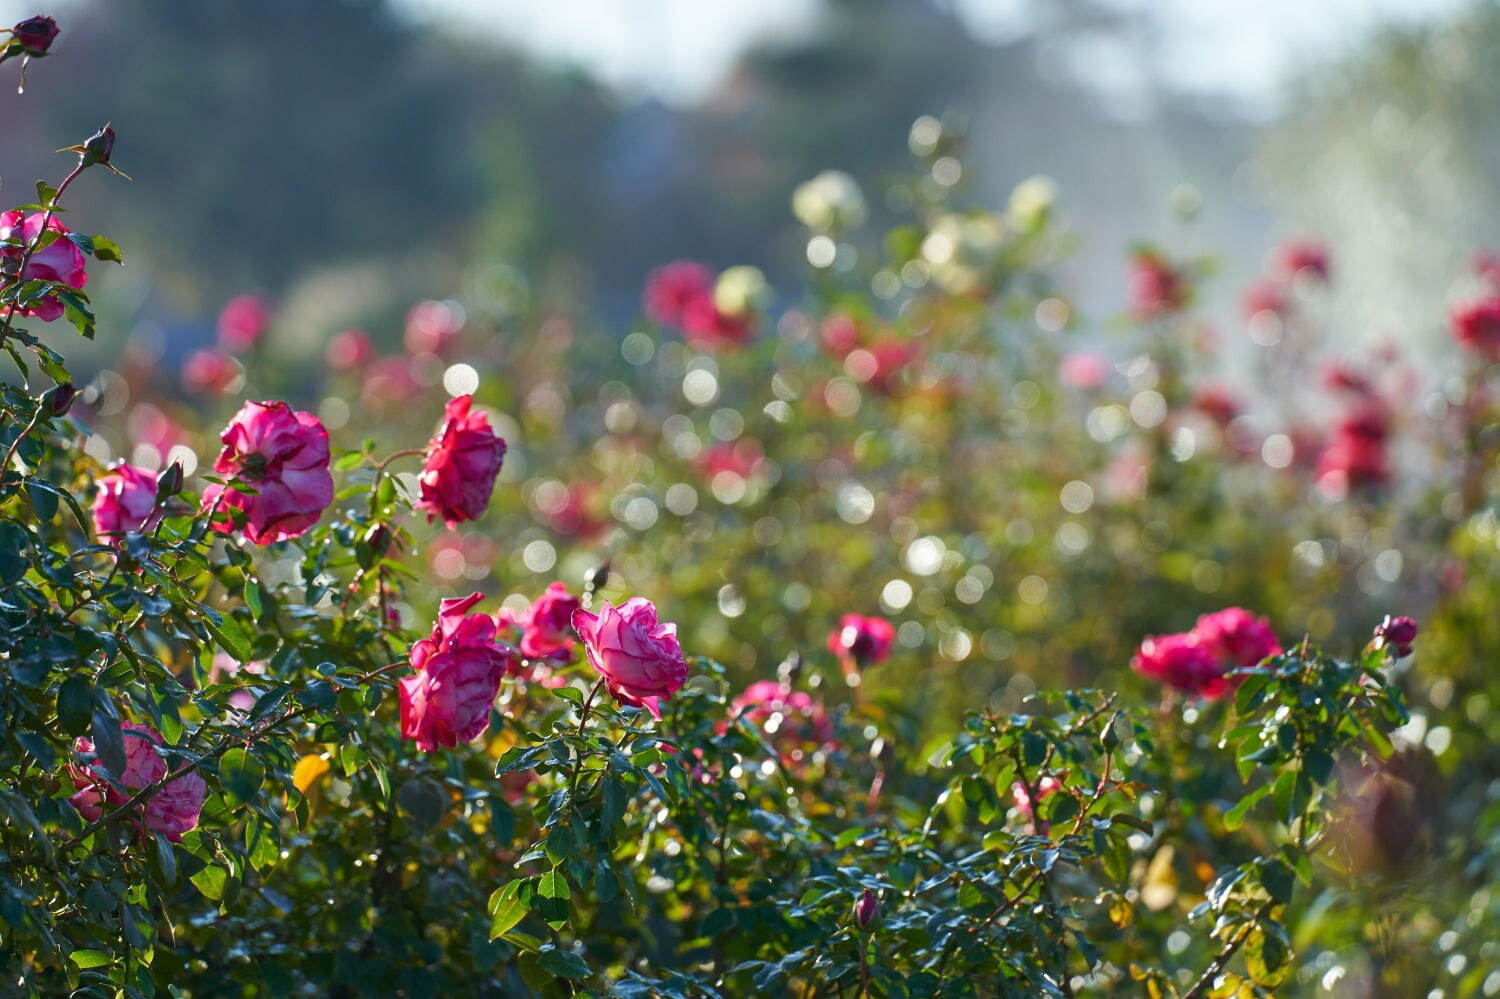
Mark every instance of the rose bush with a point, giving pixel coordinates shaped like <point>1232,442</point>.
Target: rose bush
<point>258,744</point>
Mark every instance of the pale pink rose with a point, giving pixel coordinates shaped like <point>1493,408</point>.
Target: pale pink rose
<point>126,502</point>
<point>462,463</point>
<point>210,371</point>
<point>1082,370</point>
<point>59,261</point>
<point>350,349</point>
<point>225,666</point>
<point>173,810</point>
<point>242,321</point>
<point>638,657</point>
<point>793,720</point>
<point>433,327</point>
<point>547,626</point>
<point>458,672</point>
<point>283,456</point>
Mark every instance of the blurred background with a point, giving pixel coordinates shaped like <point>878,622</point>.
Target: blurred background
<point>344,158</point>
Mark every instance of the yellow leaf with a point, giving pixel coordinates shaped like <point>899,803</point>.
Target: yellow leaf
<point>308,770</point>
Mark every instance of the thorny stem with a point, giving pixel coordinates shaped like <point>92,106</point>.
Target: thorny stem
<point>583,718</point>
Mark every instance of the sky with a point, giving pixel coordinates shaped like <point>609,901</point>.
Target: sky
<point>677,49</point>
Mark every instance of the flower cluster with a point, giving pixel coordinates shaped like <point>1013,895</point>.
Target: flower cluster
<point>1198,662</point>
<point>713,314</point>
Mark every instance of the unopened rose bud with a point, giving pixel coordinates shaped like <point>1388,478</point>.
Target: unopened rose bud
<point>378,538</point>
<point>35,35</point>
<point>169,482</point>
<point>1397,633</point>
<point>867,909</point>
<point>98,149</point>
<point>597,578</point>
<point>59,398</point>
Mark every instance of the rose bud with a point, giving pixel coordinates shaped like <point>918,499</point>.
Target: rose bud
<point>378,539</point>
<point>1396,633</point>
<point>597,578</point>
<point>866,909</point>
<point>97,149</point>
<point>35,35</point>
<point>169,482</point>
<point>59,398</point>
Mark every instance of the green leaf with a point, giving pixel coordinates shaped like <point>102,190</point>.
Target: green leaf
<point>1235,817</point>
<point>242,775</point>
<point>210,881</point>
<point>107,249</point>
<point>89,958</point>
<point>252,598</point>
<point>554,884</point>
<point>563,964</point>
<point>166,858</point>
<point>109,741</point>
<point>75,701</point>
<point>508,906</point>
<point>231,639</point>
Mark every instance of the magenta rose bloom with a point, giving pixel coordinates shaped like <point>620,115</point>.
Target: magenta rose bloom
<point>1183,662</point>
<point>1237,637</point>
<point>1156,288</point>
<point>1476,327</point>
<point>793,720</point>
<point>672,287</point>
<point>707,327</point>
<point>59,261</point>
<point>173,810</point>
<point>639,658</point>
<point>462,463</point>
<point>35,34</point>
<point>283,456</point>
<point>1397,633</point>
<point>1304,255</point>
<point>547,626</point>
<point>241,322</point>
<point>862,641</point>
<point>458,672</point>
<point>126,502</point>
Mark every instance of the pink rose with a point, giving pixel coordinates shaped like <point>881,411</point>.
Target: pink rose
<point>839,334</point>
<point>59,261</point>
<point>458,672</point>
<point>283,456</point>
<point>126,502</point>
<point>241,701</point>
<point>173,810</point>
<point>1217,403</point>
<point>433,327</point>
<point>707,327</point>
<point>1236,637</point>
<point>743,458</point>
<point>862,641</point>
<point>672,287</point>
<point>462,463</point>
<point>350,349</point>
<point>1266,295</point>
<point>210,371</point>
<point>547,630</point>
<point>1083,371</point>
<point>639,659</point>
<point>1183,662</point>
<point>1156,289</point>
<point>1476,327</point>
<point>793,720</point>
<point>241,322</point>
<point>1044,789</point>
<point>1304,255</point>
